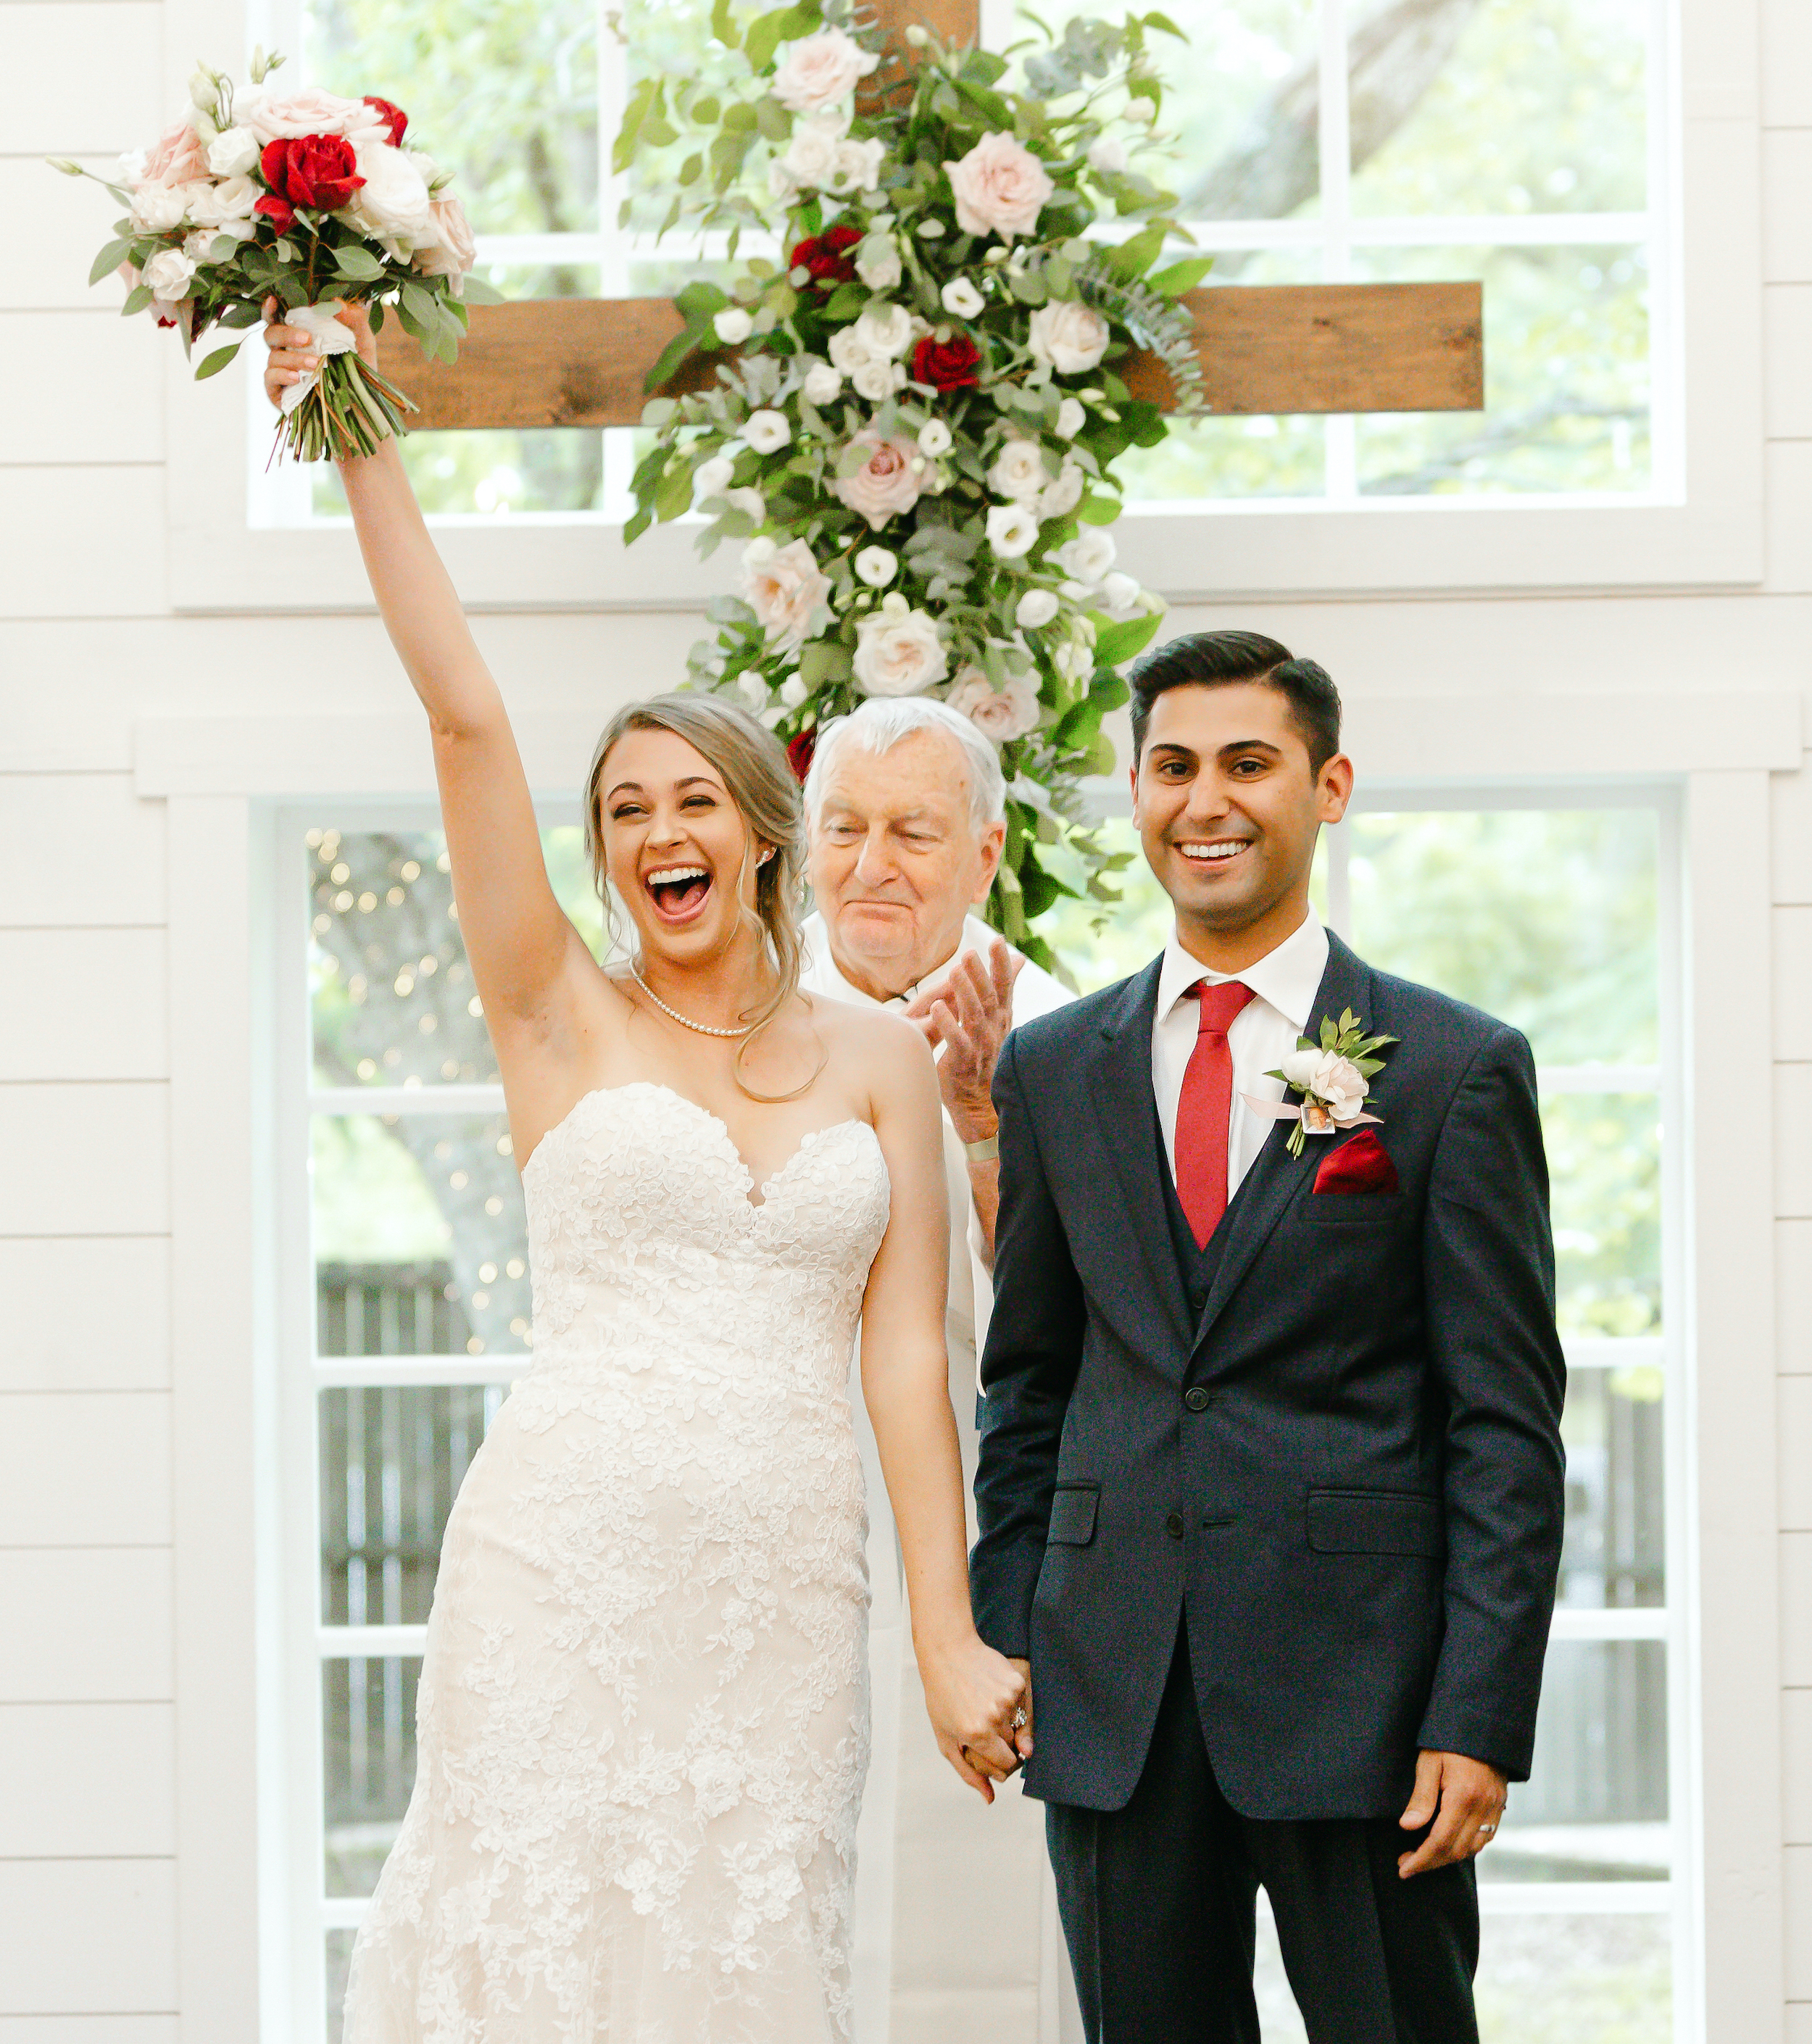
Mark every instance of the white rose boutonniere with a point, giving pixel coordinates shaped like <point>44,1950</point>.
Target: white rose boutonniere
<point>1333,1073</point>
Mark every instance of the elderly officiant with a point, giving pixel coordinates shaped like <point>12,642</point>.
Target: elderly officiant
<point>906,808</point>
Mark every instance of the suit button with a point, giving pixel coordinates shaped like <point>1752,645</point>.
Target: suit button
<point>1196,1399</point>
<point>1173,1525</point>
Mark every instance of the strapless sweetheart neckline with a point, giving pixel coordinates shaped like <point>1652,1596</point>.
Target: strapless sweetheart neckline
<point>719,1126</point>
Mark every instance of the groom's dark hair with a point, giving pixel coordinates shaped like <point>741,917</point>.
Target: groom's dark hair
<point>1218,660</point>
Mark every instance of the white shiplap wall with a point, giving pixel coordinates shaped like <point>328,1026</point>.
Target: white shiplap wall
<point>88,1715</point>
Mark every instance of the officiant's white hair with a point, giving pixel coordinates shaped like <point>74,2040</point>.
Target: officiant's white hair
<point>883,722</point>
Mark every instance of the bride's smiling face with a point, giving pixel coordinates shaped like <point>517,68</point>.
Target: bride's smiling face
<point>677,848</point>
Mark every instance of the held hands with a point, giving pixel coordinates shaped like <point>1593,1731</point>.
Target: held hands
<point>294,354</point>
<point>972,1695</point>
<point>1464,1798</point>
<point>970,1015</point>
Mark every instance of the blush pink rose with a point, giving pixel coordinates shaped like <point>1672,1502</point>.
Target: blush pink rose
<point>1000,188</point>
<point>1004,714</point>
<point>886,484</point>
<point>309,112</point>
<point>820,69</point>
<point>180,158</point>
<point>447,250</point>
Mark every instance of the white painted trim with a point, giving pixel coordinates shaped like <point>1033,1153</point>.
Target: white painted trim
<point>407,1100</point>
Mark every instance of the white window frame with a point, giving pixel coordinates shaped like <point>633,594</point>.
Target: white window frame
<point>1703,528</point>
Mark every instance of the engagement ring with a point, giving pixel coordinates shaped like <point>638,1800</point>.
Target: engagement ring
<point>1019,1719</point>
<point>1485,1830</point>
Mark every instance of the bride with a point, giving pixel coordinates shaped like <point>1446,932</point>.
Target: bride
<point>642,1724</point>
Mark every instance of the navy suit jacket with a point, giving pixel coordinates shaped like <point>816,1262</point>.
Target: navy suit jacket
<point>1360,1507</point>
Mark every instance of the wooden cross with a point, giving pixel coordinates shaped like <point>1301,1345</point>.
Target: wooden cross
<point>1295,348</point>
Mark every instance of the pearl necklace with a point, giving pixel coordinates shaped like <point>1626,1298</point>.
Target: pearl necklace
<point>703,1028</point>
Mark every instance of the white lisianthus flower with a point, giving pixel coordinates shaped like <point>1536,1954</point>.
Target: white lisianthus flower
<point>233,153</point>
<point>1071,418</point>
<point>848,350</point>
<point>1074,662</point>
<point>1141,110</point>
<point>1089,556</point>
<point>752,689</point>
<point>898,652</point>
<point>823,383</point>
<point>856,167</point>
<point>820,69</point>
<point>781,184</point>
<point>886,330</point>
<point>783,585</point>
<point>766,431</point>
<point>1011,531</point>
<point>169,274</point>
<point>393,203</point>
<point>231,199</point>
<point>934,439</point>
<point>162,209</point>
<point>1058,499</point>
<point>732,325</point>
<point>876,567</point>
<point>1000,187</point>
<point>1121,596</point>
<point>1036,609</point>
<point>877,380</point>
<point>1019,471</point>
<point>1004,714</point>
<point>877,262</point>
<point>961,298</point>
<point>810,157</point>
<point>1068,337</point>
<point>711,477</point>
<point>749,500</point>
<point>1108,155</point>
<point>1336,1081</point>
<point>792,693</point>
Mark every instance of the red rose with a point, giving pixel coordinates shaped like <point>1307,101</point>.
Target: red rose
<point>954,364</point>
<point>394,117</point>
<point>279,211</point>
<point>828,256</point>
<point>799,754</point>
<point>319,171</point>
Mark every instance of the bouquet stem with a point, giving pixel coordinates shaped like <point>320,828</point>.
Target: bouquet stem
<point>350,410</point>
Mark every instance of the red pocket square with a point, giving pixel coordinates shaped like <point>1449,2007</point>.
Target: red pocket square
<point>1359,1164</point>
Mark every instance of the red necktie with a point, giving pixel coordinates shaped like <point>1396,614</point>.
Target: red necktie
<point>1205,1107</point>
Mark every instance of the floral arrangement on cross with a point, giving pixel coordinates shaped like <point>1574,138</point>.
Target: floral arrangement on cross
<point>916,414</point>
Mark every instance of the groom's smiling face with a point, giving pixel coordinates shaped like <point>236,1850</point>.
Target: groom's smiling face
<point>1228,806</point>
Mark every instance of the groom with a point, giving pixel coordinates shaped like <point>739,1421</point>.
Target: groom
<point>1270,1490</point>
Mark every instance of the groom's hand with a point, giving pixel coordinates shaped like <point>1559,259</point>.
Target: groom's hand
<point>1022,1739</point>
<point>1463,1799</point>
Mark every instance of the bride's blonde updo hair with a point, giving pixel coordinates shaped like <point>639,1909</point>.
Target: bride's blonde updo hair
<point>753,768</point>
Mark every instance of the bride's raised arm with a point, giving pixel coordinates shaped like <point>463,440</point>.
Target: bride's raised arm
<point>521,946</point>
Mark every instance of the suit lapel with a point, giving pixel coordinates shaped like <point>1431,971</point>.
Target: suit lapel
<point>1119,1083</point>
<point>1277,1177</point>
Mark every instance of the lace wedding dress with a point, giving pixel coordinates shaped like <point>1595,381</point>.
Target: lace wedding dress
<point>642,1722</point>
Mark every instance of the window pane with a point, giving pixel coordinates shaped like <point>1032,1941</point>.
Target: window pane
<point>392,1459</point>
<point>1604,1166</point>
<point>368,1727</point>
<point>1595,1807</point>
<point>401,1189</point>
<point>1575,1979</point>
<point>1514,106</point>
<point>1615,1551</point>
<point>1545,918</point>
<point>1566,378</point>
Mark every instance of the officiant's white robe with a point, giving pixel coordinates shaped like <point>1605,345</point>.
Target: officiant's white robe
<point>939,1876</point>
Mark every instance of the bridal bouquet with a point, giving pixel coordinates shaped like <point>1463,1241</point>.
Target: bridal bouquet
<point>313,199</point>
<point>916,412</point>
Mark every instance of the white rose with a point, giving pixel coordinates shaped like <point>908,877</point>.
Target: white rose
<point>766,431</point>
<point>1089,555</point>
<point>877,262</point>
<point>1004,714</point>
<point>711,477</point>
<point>1011,531</point>
<point>886,486</point>
<point>783,585</point>
<point>1036,609</point>
<point>898,652</point>
<point>1000,188</point>
<point>876,567</point>
<point>733,326</point>
<point>749,500</point>
<point>233,199</point>
<point>1058,499</point>
<point>1068,337</point>
<point>1071,418</point>
<point>857,166</point>
<point>233,153</point>
<point>394,202</point>
<point>810,159</point>
<point>823,383</point>
<point>792,693</point>
<point>162,209</point>
<point>886,330</point>
<point>1019,471</point>
<point>877,380</point>
<point>934,438</point>
<point>1337,1081</point>
<point>752,689</point>
<point>1120,595</point>
<point>820,69</point>
<point>961,297</point>
<point>1108,155</point>
<point>309,112</point>
<point>848,350</point>
<point>168,274</point>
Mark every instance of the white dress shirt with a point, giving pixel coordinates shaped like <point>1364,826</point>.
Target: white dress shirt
<point>1284,983</point>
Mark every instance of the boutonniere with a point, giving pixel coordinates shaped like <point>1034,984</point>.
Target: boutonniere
<point>1333,1073</point>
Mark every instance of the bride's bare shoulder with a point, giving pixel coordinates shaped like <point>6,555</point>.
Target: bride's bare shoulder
<point>882,1054</point>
